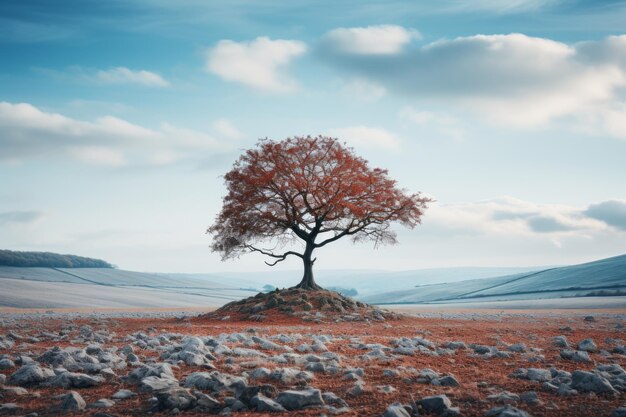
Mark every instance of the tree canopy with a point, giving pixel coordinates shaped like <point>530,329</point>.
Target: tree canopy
<point>309,189</point>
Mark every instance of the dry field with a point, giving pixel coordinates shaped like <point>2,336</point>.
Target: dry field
<point>195,366</point>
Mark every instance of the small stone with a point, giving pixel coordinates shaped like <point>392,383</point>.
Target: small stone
<point>6,364</point>
<point>175,399</point>
<point>590,319</point>
<point>446,381</point>
<point>560,341</point>
<point>72,401</point>
<point>123,394</point>
<point>506,411</point>
<point>19,391</point>
<point>396,410</point>
<point>102,403</point>
<point>436,404</point>
<point>575,355</point>
<point>262,403</point>
<point>9,408</point>
<point>156,384</point>
<point>518,348</point>
<point>295,400</point>
<point>619,412</point>
<point>530,397</point>
<point>584,381</point>
<point>587,345</point>
<point>504,397</point>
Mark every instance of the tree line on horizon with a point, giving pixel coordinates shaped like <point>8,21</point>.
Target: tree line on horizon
<point>49,260</point>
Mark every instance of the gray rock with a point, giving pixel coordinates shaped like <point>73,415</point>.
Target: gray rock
<point>357,389</point>
<point>175,399</point>
<point>163,370</point>
<point>560,341</point>
<point>215,381</point>
<point>565,390</point>
<point>530,397</point>
<point>436,404</point>
<point>261,403</point>
<point>506,411</point>
<point>101,403</point>
<point>518,348</point>
<point>123,394</point>
<point>295,400</point>
<point>456,345</point>
<point>74,380</point>
<point>6,363</point>
<point>504,397</point>
<point>291,375</point>
<point>619,412</point>
<point>575,355</point>
<point>9,409</point>
<point>205,402</point>
<point>446,381</point>
<point>584,381</point>
<point>19,391</point>
<point>587,345</point>
<point>157,384</point>
<point>396,410</point>
<point>31,374</point>
<point>72,401</point>
<point>533,374</point>
<point>334,399</point>
<point>539,375</point>
<point>3,379</point>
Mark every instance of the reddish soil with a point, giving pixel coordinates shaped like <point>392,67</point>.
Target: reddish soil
<point>534,330</point>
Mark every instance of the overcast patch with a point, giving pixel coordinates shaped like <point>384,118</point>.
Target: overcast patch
<point>30,132</point>
<point>260,63</point>
<point>512,79</point>
<point>612,212</point>
<point>20,216</point>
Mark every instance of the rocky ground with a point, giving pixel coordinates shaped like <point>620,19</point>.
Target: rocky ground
<point>353,364</point>
<point>319,306</point>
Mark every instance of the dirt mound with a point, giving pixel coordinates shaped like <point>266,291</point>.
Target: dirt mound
<point>309,305</point>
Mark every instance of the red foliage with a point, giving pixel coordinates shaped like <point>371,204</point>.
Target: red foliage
<point>313,189</point>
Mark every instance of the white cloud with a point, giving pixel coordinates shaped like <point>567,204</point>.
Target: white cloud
<point>20,216</point>
<point>508,216</point>
<point>227,129</point>
<point>98,155</point>
<point>363,90</point>
<point>612,212</point>
<point>499,6</point>
<point>439,122</point>
<point>369,137</point>
<point>260,63</point>
<point>370,40</point>
<point>514,80</point>
<point>123,75</point>
<point>31,132</point>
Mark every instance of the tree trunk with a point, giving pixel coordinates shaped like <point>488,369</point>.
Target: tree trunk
<point>308,283</point>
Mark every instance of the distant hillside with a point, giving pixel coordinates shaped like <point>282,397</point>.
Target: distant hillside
<point>603,277</point>
<point>48,260</point>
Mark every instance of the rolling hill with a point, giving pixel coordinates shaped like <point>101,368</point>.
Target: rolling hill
<point>606,276</point>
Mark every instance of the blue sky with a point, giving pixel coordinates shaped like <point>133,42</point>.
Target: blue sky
<point>117,119</point>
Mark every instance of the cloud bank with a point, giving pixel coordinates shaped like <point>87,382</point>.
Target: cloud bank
<point>260,64</point>
<point>30,132</point>
<point>513,79</point>
<point>507,216</point>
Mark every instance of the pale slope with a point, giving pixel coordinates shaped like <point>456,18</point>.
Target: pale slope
<point>606,274</point>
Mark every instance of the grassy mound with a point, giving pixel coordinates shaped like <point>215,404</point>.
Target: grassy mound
<point>309,305</point>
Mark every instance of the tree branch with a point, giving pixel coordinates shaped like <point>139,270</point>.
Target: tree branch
<point>279,258</point>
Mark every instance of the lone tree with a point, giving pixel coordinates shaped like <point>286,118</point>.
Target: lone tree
<point>309,189</point>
